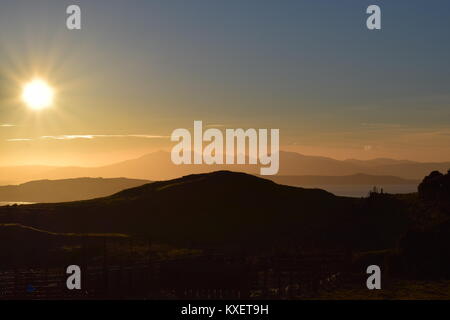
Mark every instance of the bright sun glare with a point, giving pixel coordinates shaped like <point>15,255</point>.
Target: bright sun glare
<point>37,94</point>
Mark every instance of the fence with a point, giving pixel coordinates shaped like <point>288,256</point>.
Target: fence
<point>135,273</point>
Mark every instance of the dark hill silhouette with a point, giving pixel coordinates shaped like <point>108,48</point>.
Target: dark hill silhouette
<point>220,209</point>
<point>66,190</point>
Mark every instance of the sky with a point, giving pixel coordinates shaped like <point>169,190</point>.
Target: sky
<point>139,69</point>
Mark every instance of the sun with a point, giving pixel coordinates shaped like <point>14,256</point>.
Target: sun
<point>37,94</point>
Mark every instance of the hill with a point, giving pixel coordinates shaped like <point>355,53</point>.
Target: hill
<point>66,190</point>
<point>222,209</point>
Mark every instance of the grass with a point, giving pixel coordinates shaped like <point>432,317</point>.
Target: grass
<point>32,229</point>
<point>394,290</point>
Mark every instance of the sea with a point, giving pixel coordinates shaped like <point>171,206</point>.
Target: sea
<point>359,191</point>
<point>10,203</point>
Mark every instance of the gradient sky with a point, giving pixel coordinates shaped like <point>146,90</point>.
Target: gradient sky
<point>139,69</point>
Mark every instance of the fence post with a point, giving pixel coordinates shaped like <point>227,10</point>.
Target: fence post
<point>105,268</point>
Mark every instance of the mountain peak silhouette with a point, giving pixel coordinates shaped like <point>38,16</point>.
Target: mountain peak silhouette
<point>158,166</point>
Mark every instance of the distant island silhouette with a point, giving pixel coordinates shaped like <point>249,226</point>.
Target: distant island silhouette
<point>66,189</point>
<point>158,166</point>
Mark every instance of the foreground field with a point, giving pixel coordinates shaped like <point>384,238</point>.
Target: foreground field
<point>393,290</point>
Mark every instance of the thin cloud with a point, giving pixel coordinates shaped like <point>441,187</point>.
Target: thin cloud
<point>68,137</point>
<point>7,125</point>
<point>90,137</point>
<point>18,140</point>
<point>93,136</point>
<point>382,125</point>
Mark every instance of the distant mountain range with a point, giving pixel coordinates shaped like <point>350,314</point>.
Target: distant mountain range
<point>158,166</point>
<point>66,190</point>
